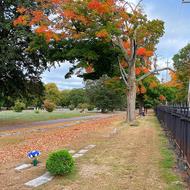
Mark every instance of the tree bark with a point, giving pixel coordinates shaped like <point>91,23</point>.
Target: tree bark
<point>131,94</point>
<point>141,105</point>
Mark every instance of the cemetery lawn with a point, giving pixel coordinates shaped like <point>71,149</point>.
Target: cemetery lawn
<point>135,158</point>
<point>125,158</point>
<point>13,118</point>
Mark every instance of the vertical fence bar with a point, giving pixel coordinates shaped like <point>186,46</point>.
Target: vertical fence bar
<point>176,120</point>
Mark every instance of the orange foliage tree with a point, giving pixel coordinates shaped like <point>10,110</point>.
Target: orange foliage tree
<point>174,82</point>
<point>118,22</point>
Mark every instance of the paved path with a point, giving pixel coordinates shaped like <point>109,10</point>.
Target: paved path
<point>49,122</point>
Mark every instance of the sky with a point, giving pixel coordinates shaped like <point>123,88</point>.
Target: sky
<point>177,34</point>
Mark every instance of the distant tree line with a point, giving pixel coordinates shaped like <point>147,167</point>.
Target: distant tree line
<point>105,94</point>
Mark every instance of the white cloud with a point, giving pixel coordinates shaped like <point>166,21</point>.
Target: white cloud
<point>133,1</point>
<point>162,63</point>
<point>172,44</point>
<point>57,75</point>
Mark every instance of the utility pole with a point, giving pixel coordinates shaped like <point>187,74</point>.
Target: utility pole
<point>185,1</point>
<point>188,96</point>
<point>167,64</point>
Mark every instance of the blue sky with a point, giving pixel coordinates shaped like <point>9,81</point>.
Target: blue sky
<point>177,34</point>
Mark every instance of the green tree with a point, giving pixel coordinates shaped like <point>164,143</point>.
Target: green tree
<point>20,68</point>
<point>33,95</point>
<point>117,22</point>
<point>49,106</point>
<point>19,106</point>
<point>77,96</point>
<point>151,92</point>
<point>106,94</point>
<point>182,65</point>
<point>52,93</point>
<point>64,98</point>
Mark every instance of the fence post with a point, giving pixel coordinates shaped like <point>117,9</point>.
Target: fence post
<point>176,120</point>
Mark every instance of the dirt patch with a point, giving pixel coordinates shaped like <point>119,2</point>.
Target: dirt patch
<point>91,171</point>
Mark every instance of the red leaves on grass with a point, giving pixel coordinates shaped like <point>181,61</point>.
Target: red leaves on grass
<point>53,139</point>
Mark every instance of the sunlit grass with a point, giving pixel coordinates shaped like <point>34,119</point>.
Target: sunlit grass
<point>167,163</point>
<point>11,117</point>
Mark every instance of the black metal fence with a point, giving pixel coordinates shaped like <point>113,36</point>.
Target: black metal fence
<point>176,119</point>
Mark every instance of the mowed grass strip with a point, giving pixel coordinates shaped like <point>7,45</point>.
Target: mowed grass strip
<point>11,117</point>
<point>168,162</point>
<point>134,158</point>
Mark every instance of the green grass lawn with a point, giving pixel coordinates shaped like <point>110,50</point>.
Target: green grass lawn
<point>11,117</point>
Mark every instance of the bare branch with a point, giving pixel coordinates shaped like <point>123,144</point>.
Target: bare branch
<point>153,72</point>
<point>123,74</point>
<point>123,71</point>
<point>124,79</point>
<point>133,51</point>
<point>138,4</point>
<point>127,3</point>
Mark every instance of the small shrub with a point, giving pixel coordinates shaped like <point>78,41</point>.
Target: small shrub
<point>49,106</point>
<point>36,111</point>
<point>71,107</point>
<point>60,163</point>
<point>82,106</point>
<point>90,107</point>
<point>19,106</point>
<point>148,105</point>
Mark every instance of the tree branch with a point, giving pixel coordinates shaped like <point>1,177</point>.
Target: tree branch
<point>153,72</point>
<point>138,4</point>
<point>120,44</point>
<point>123,74</point>
<point>133,51</point>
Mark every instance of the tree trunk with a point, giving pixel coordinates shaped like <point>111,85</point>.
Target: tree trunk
<point>141,105</point>
<point>131,95</point>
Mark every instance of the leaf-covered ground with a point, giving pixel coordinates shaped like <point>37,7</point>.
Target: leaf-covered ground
<point>15,147</point>
<point>125,158</point>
